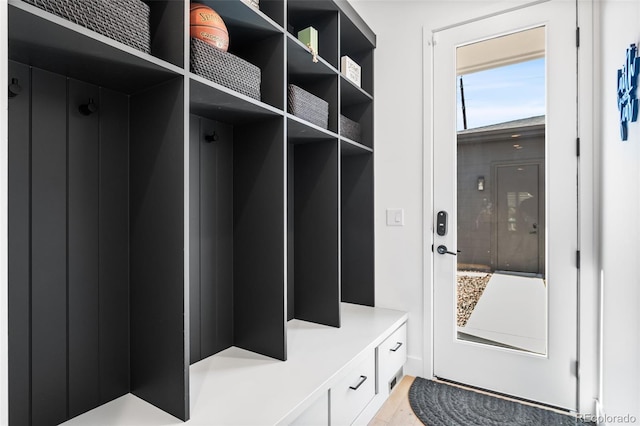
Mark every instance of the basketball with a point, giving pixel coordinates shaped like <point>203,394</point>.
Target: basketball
<point>208,26</point>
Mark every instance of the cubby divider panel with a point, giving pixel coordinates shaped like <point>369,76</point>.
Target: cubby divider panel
<point>159,364</point>
<point>259,153</point>
<point>298,132</point>
<point>267,53</point>
<point>291,270</point>
<point>195,347</point>
<point>19,244</point>
<point>316,232</point>
<point>211,189</point>
<point>274,9</point>
<point>166,22</point>
<point>357,229</point>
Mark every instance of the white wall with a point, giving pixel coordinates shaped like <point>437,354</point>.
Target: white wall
<point>403,145</point>
<point>619,27</point>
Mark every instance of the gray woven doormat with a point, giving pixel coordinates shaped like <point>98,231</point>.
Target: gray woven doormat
<point>438,404</point>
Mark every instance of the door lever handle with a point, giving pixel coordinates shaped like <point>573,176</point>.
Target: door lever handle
<point>444,250</point>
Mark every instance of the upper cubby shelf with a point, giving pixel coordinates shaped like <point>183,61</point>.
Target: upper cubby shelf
<point>300,60</point>
<point>355,38</point>
<point>352,94</point>
<point>301,131</point>
<point>323,16</point>
<point>216,102</point>
<point>357,41</point>
<point>357,24</point>
<point>258,39</point>
<point>357,107</point>
<point>237,14</point>
<point>61,46</point>
<point>349,147</point>
<point>358,46</point>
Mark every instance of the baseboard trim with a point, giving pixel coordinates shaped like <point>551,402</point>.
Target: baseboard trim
<point>414,367</point>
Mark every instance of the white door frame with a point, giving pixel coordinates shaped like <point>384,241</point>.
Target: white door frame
<point>589,301</point>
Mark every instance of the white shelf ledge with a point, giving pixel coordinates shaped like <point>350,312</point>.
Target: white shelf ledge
<point>237,387</point>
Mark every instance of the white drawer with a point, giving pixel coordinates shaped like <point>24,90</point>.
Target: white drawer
<point>316,415</point>
<point>352,394</point>
<point>392,354</point>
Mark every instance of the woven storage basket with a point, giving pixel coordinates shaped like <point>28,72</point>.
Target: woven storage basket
<point>308,107</point>
<point>349,128</point>
<point>225,69</point>
<point>126,21</point>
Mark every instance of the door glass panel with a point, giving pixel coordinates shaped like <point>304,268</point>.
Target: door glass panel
<point>501,213</point>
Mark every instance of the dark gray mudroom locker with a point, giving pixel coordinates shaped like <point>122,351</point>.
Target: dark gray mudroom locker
<point>96,204</point>
<point>157,218</point>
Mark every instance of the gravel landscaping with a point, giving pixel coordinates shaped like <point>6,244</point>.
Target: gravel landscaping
<point>470,288</point>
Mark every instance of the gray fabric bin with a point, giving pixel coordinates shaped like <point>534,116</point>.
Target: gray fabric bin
<point>225,69</point>
<point>125,21</point>
<point>308,107</point>
<point>350,129</point>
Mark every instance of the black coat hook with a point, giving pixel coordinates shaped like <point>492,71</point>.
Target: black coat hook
<point>88,109</point>
<point>14,88</point>
<point>212,137</point>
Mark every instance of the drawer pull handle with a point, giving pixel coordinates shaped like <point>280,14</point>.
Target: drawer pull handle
<point>362,380</point>
<point>397,347</point>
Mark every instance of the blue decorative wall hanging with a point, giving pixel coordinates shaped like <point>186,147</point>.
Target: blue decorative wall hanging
<point>627,84</point>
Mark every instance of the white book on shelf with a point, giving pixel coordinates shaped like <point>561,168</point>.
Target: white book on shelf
<point>350,69</point>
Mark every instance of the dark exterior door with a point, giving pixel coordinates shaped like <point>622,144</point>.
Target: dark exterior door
<point>519,200</point>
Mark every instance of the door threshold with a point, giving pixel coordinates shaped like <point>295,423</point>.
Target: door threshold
<point>505,396</point>
<point>519,274</point>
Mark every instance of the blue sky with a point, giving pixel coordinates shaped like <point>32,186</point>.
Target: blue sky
<point>503,94</point>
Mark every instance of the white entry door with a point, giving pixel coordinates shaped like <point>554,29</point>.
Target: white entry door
<point>505,199</point>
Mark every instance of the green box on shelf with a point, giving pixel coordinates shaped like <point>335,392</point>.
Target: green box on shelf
<point>309,36</point>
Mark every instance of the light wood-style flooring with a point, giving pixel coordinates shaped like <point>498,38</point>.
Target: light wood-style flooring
<point>396,410</point>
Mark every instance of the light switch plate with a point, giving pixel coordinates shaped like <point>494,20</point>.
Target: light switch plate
<point>395,217</point>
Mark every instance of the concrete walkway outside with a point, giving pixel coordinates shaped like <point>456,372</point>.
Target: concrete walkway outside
<point>512,312</point>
